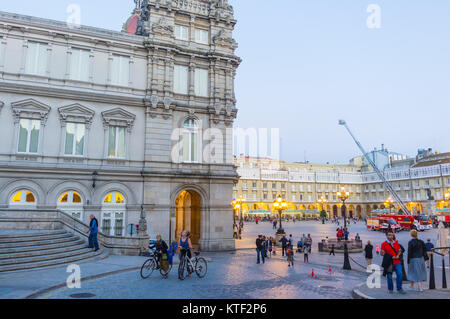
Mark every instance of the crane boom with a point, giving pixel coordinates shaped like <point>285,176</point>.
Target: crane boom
<point>379,173</point>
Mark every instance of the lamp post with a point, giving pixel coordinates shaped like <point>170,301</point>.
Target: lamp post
<point>280,204</point>
<point>322,200</point>
<point>343,195</point>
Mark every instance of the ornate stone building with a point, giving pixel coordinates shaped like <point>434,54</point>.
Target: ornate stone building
<point>304,184</point>
<point>119,125</point>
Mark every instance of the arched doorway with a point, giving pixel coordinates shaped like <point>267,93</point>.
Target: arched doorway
<point>113,214</point>
<point>351,209</point>
<point>188,215</point>
<point>359,211</point>
<point>335,211</point>
<point>71,203</point>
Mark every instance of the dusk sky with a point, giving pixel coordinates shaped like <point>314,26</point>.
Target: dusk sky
<point>308,63</point>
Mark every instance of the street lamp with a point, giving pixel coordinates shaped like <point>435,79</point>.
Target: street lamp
<point>343,195</point>
<point>322,200</point>
<point>237,207</point>
<point>280,204</point>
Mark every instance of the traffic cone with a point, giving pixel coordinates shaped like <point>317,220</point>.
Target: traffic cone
<point>312,274</point>
<point>330,271</point>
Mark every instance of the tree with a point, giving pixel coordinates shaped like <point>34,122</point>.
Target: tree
<point>323,214</point>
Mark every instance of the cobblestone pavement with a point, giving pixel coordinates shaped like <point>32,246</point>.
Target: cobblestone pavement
<point>230,274</point>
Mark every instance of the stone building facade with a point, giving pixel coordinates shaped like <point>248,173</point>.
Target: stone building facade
<point>304,184</point>
<point>119,125</point>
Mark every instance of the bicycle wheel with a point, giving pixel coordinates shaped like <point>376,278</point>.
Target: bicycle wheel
<point>147,268</point>
<point>164,273</point>
<point>201,267</point>
<point>181,269</point>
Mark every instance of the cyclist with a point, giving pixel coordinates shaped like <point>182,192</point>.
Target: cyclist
<point>162,255</point>
<point>185,246</point>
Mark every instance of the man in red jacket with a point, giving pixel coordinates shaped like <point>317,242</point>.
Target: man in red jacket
<point>391,251</point>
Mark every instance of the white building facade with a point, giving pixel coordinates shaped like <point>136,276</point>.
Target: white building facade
<point>116,125</point>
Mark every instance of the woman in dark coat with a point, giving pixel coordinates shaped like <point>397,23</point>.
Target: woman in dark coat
<point>369,253</point>
<point>417,271</point>
<point>163,256</point>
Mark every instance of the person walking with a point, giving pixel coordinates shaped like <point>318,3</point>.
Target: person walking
<point>275,222</point>
<point>240,232</point>
<point>357,237</point>
<point>368,250</point>
<point>339,234</point>
<point>290,256</point>
<point>235,231</point>
<point>417,253</point>
<point>284,243</point>
<point>306,251</point>
<point>264,246</point>
<point>291,240</point>
<point>346,233</point>
<point>429,246</point>
<point>269,246</point>
<point>259,250</point>
<point>256,220</point>
<point>93,231</point>
<point>391,251</point>
<point>161,250</point>
<point>332,250</point>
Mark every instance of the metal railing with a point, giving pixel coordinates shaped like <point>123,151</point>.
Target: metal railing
<point>432,284</point>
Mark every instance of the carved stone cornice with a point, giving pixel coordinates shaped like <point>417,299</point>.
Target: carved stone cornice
<point>30,109</point>
<point>118,117</point>
<point>76,113</point>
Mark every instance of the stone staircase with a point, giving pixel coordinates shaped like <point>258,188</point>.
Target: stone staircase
<point>24,250</point>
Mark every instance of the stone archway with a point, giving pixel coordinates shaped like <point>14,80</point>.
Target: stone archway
<point>188,215</point>
<point>359,211</point>
<point>335,211</point>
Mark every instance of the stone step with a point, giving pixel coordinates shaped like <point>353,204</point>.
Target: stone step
<point>43,252</point>
<point>66,238</point>
<point>18,234</point>
<point>60,255</point>
<point>86,257</point>
<point>40,247</point>
<point>33,238</point>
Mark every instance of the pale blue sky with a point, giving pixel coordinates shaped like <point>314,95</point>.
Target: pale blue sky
<point>307,63</point>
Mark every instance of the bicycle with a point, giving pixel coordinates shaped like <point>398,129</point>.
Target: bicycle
<point>153,263</point>
<point>189,265</point>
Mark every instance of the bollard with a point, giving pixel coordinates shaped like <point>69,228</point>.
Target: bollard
<point>432,284</point>
<point>444,279</point>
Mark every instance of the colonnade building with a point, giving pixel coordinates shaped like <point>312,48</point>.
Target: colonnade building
<point>305,185</point>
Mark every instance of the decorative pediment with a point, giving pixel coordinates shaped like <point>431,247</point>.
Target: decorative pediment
<point>76,113</point>
<point>118,117</point>
<point>30,109</point>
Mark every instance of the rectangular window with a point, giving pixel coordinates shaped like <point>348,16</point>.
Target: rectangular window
<point>120,72</point>
<point>201,82</point>
<point>180,79</point>
<point>265,196</point>
<point>201,36</point>
<point>79,65</point>
<point>181,32</point>
<point>36,62</point>
<point>28,136</point>
<point>116,146</point>
<point>190,146</point>
<point>74,139</point>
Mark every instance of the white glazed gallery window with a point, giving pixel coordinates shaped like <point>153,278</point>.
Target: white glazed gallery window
<point>190,141</point>
<point>79,66</point>
<point>36,62</point>
<point>23,197</point>
<point>180,79</point>
<point>181,32</point>
<point>116,143</point>
<point>201,82</point>
<point>28,136</point>
<point>75,133</point>
<point>120,73</point>
<point>201,36</point>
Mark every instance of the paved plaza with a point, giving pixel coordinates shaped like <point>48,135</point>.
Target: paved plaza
<point>230,274</point>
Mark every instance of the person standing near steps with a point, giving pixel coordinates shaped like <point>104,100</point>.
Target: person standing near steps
<point>93,231</point>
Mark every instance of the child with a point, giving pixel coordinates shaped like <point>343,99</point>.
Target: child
<point>290,256</point>
<point>269,243</point>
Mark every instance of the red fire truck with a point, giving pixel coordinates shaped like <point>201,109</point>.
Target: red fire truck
<point>420,222</point>
<point>444,216</point>
<point>382,223</point>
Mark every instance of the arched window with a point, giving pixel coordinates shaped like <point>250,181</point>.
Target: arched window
<point>71,203</point>
<point>23,197</point>
<point>190,141</point>
<point>114,198</point>
<point>70,197</point>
